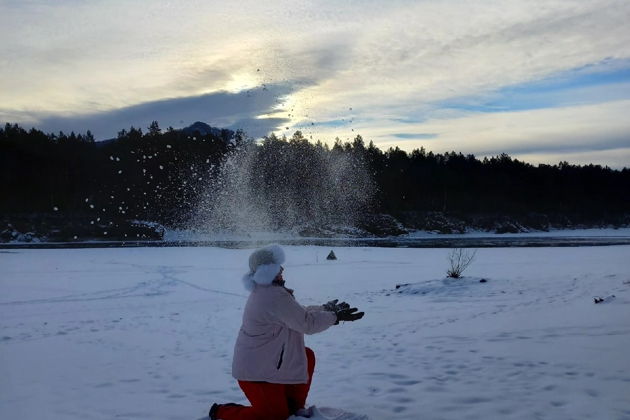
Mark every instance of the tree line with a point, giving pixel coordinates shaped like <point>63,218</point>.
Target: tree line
<point>166,176</point>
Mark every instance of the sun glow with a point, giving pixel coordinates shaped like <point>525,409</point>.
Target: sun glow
<point>242,81</point>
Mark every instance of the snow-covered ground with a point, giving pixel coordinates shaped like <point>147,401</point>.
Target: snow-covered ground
<point>147,333</point>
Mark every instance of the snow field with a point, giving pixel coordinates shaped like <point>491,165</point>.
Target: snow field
<point>148,332</point>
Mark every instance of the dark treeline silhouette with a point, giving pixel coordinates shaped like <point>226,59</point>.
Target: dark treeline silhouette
<point>162,176</point>
<point>151,176</point>
<point>482,192</point>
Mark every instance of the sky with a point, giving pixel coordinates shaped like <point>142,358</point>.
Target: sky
<point>542,80</point>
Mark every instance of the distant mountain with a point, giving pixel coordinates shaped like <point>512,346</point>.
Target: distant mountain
<point>101,143</point>
<point>205,129</point>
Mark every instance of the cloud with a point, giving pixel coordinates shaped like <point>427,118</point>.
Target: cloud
<point>221,109</point>
<point>538,132</point>
<point>613,158</point>
<point>414,136</point>
<point>563,89</point>
<point>459,49</point>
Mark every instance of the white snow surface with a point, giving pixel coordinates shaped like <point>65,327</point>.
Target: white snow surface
<point>326,413</point>
<point>147,333</point>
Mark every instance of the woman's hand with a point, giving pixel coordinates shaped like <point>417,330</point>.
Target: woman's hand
<point>333,306</point>
<point>343,311</point>
<point>349,314</point>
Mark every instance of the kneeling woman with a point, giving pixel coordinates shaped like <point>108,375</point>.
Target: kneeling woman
<point>273,367</point>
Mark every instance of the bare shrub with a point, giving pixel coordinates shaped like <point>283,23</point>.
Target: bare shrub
<point>459,259</point>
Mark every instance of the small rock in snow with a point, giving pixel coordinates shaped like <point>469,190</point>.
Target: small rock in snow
<point>606,299</point>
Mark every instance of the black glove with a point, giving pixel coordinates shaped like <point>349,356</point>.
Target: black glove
<point>348,314</point>
<point>343,311</point>
<point>333,306</point>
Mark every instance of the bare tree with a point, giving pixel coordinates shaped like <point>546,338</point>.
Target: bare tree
<point>459,259</point>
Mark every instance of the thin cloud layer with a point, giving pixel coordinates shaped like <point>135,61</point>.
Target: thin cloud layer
<point>388,70</point>
<point>577,131</point>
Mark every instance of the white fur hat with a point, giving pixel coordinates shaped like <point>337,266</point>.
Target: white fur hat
<point>264,266</point>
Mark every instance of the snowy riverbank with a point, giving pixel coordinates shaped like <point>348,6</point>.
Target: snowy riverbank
<point>147,333</point>
<point>417,239</point>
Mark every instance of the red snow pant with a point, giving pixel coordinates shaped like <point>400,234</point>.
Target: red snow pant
<point>270,401</point>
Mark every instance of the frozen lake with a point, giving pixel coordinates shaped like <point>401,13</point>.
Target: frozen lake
<point>558,238</point>
<point>147,333</point>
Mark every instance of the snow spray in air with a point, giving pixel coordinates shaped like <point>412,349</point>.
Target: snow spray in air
<point>290,186</point>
